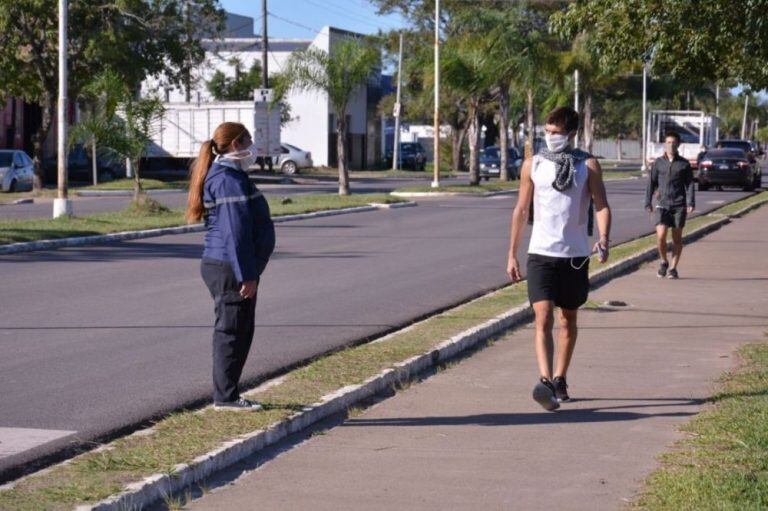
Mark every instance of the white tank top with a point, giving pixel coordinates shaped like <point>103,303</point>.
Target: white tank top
<point>559,218</point>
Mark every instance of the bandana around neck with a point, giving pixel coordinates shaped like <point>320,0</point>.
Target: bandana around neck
<point>565,165</point>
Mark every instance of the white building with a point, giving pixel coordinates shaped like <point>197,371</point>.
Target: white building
<point>312,125</point>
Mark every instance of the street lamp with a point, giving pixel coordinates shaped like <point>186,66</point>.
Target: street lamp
<point>647,56</point>
<point>436,157</point>
<point>644,136</point>
<point>62,206</point>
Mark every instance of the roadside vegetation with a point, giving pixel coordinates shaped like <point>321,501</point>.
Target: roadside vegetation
<point>723,462</point>
<point>149,214</point>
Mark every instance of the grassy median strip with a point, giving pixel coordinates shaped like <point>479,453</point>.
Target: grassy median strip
<point>146,184</point>
<point>723,464</point>
<point>181,437</point>
<point>483,187</point>
<point>498,186</point>
<point>12,231</point>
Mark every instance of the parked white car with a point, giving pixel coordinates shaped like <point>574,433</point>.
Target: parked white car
<point>292,159</point>
<point>16,171</point>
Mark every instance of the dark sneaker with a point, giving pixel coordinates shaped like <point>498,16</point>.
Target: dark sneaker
<point>241,404</point>
<point>673,274</point>
<point>544,394</point>
<point>561,388</point>
<point>662,270</point>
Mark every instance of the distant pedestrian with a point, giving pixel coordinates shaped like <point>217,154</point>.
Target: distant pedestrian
<point>559,181</point>
<point>239,240</point>
<point>671,175</point>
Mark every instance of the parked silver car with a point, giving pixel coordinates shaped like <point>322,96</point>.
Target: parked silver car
<point>292,159</point>
<point>16,171</point>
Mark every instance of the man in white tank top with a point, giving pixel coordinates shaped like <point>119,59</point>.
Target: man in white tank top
<point>559,182</point>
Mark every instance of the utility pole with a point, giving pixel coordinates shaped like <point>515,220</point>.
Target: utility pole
<point>264,46</point>
<point>396,148</point>
<point>717,111</point>
<point>436,158</point>
<point>576,100</point>
<point>744,119</point>
<point>62,206</point>
<point>644,142</point>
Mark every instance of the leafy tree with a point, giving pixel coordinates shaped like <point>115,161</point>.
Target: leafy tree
<point>339,74</point>
<point>240,87</point>
<point>467,66</point>
<point>121,124</point>
<point>696,42</point>
<point>134,38</point>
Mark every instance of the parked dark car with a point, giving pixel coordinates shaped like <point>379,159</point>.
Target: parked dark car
<point>490,162</point>
<point>744,145</point>
<point>79,167</point>
<point>412,156</point>
<point>728,167</point>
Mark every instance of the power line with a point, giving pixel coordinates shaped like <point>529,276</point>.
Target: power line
<point>341,11</point>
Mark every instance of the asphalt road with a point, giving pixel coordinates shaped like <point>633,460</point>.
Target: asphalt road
<point>42,208</point>
<point>100,338</point>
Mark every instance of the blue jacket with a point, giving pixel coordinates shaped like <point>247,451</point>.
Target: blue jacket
<point>239,229</point>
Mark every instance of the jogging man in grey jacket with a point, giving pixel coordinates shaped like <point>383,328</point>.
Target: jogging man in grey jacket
<point>672,176</point>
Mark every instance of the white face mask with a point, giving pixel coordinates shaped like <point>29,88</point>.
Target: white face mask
<point>556,142</point>
<point>243,159</point>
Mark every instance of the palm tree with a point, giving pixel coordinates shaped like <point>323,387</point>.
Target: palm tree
<point>120,123</point>
<point>507,46</point>
<point>470,72</point>
<point>339,74</point>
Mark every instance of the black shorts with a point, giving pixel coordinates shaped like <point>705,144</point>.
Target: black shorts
<point>562,280</point>
<point>671,217</point>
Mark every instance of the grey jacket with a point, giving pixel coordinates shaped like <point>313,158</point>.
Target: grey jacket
<point>674,181</point>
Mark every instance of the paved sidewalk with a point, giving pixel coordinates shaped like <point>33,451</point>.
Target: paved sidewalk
<point>471,437</point>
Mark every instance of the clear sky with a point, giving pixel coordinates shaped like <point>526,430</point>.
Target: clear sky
<point>302,19</point>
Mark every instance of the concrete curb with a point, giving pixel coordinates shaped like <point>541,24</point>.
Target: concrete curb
<point>80,241</point>
<point>157,486</point>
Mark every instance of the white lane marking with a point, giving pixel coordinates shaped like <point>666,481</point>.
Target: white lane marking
<point>16,440</point>
<point>715,202</point>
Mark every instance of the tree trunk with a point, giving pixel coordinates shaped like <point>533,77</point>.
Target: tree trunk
<point>588,132</point>
<point>341,138</point>
<point>457,141</point>
<point>473,132</point>
<point>39,138</point>
<point>138,191</point>
<point>530,127</point>
<point>618,148</point>
<point>503,133</point>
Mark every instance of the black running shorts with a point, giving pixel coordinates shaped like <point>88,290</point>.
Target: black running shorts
<point>671,217</point>
<point>562,280</point>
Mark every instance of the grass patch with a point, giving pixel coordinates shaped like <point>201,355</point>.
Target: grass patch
<point>182,436</point>
<point>499,186</point>
<point>364,174</point>
<point>157,216</point>
<point>734,207</point>
<point>146,184</point>
<point>483,187</point>
<point>723,464</point>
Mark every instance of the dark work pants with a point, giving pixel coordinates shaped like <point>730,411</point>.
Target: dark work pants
<point>233,331</point>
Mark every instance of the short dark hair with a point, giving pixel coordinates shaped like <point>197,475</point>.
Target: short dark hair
<point>672,134</point>
<point>564,117</point>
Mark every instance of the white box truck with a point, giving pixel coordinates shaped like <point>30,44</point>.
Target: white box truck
<point>176,137</point>
<point>696,130</point>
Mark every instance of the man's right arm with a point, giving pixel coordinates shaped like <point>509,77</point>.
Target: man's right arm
<point>653,183</point>
<point>519,218</point>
